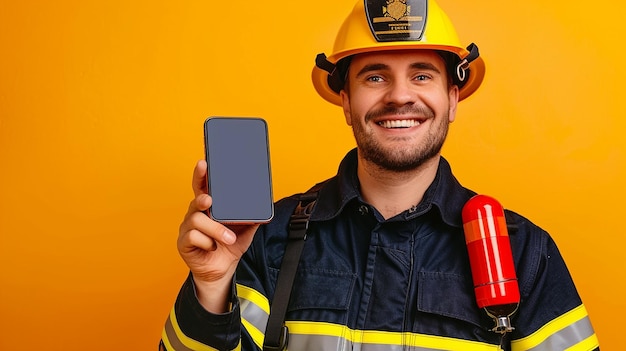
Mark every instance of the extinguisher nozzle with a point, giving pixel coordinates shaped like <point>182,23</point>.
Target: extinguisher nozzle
<point>503,325</point>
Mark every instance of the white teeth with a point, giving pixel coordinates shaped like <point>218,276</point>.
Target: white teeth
<point>403,123</point>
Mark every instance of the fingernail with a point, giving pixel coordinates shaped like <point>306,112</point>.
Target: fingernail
<point>229,237</point>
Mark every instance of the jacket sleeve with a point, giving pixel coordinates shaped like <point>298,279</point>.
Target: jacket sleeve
<point>551,315</point>
<point>190,327</point>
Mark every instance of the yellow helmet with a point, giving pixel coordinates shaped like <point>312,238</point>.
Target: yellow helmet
<point>378,25</point>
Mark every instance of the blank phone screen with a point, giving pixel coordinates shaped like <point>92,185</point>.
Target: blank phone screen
<point>239,179</point>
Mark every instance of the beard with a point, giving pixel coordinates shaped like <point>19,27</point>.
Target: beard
<point>408,156</point>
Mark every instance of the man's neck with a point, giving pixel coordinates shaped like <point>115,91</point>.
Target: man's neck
<point>392,193</point>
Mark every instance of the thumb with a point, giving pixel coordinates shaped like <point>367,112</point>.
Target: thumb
<point>199,181</point>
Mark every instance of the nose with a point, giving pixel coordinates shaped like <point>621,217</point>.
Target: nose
<point>400,92</point>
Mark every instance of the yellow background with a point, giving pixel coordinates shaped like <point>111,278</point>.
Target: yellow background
<point>101,111</point>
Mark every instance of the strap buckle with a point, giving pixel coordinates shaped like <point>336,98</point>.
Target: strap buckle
<point>299,222</point>
<point>282,343</point>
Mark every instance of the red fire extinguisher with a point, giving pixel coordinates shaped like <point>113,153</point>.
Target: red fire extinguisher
<point>491,260</point>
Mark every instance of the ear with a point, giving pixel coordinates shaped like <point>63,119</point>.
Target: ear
<point>345,103</point>
<point>453,99</point>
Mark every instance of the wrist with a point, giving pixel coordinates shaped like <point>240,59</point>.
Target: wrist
<point>214,296</point>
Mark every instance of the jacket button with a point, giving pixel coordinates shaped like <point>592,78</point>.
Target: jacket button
<point>363,210</point>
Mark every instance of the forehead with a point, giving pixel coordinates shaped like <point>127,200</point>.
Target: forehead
<point>398,59</point>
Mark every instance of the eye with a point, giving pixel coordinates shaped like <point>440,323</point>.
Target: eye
<point>375,79</point>
<point>422,77</point>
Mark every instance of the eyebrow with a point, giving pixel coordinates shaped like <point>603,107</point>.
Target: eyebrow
<point>381,67</point>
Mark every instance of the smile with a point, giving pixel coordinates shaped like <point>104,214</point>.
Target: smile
<point>401,123</point>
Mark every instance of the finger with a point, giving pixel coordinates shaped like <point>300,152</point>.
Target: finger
<point>214,230</point>
<point>199,182</point>
<point>195,239</point>
<point>200,203</point>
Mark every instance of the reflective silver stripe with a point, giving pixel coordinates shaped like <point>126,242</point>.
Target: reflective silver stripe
<point>319,342</point>
<point>326,336</point>
<point>323,342</point>
<point>567,337</point>
<point>253,314</point>
<point>173,340</point>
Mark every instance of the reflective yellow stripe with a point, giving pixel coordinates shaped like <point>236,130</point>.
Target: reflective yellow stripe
<point>252,296</point>
<point>244,292</point>
<point>256,334</point>
<point>318,328</point>
<point>552,328</point>
<point>166,341</point>
<point>312,330</point>
<point>187,342</point>
<point>386,338</point>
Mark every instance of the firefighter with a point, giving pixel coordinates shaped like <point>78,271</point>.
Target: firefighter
<point>384,264</point>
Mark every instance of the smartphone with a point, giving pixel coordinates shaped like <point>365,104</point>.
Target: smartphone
<point>239,174</point>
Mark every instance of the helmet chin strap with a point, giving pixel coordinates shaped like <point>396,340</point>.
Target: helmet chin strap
<point>323,63</point>
<point>461,68</point>
<point>336,72</point>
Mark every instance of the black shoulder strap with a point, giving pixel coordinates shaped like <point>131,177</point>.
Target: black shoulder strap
<point>276,333</point>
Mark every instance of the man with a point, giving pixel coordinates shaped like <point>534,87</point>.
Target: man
<point>384,265</point>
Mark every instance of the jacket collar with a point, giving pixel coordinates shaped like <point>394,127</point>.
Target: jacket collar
<point>445,195</point>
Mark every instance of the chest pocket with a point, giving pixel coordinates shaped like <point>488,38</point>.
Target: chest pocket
<point>448,295</point>
<point>321,295</point>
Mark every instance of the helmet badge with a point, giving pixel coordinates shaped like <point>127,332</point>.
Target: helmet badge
<point>396,20</point>
<point>396,9</point>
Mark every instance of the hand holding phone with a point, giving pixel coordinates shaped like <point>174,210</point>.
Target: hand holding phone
<point>211,250</point>
<point>239,174</point>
